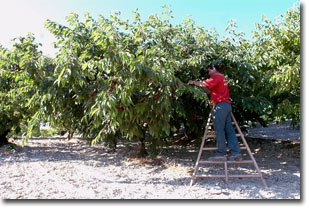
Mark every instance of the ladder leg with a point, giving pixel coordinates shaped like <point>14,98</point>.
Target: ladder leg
<point>201,150</point>
<point>248,150</point>
<point>197,162</point>
<point>226,173</point>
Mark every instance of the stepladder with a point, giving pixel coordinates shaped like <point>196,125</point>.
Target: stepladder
<point>203,164</point>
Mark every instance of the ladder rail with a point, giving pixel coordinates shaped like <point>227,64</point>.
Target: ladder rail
<point>248,150</point>
<point>201,149</point>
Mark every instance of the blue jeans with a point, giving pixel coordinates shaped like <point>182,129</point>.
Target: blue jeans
<point>224,129</point>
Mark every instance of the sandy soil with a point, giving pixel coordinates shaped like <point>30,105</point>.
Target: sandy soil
<point>53,168</point>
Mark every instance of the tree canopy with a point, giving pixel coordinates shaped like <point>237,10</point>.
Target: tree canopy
<point>113,78</point>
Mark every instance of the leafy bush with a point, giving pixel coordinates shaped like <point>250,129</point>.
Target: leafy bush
<point>113,78</point>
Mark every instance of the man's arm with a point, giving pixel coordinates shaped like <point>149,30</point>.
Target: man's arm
<point>200,84</point>
<point>206,90</point>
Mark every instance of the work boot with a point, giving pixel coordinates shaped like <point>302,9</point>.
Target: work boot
<point>236,157</point>
<point>217,158</point>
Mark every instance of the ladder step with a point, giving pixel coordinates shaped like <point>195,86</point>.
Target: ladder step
<point>209,148</point>
<point>229,176</point>
<point>210,176</point>
<point>213,135</point>
<point>215,148</point>
<point>213,123</point>
<point>228,162</point>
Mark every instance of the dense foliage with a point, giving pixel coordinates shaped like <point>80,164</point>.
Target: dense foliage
<point>116,79</point>
<point>22,72</point>
<point>276,54</point>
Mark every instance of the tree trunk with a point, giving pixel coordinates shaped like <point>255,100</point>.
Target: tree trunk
<point>3,139</point>
<point>70,135</point>
<point>142,148</point>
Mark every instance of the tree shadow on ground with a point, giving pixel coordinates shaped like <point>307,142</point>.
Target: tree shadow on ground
<point>58,149</point>
<point>279,161</point>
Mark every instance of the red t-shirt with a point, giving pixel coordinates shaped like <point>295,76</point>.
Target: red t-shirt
<point>218,88</point>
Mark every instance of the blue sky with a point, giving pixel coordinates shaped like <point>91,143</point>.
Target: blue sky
<point>18,17</point>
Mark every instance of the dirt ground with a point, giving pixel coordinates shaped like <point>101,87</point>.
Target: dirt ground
<point>53,168</point>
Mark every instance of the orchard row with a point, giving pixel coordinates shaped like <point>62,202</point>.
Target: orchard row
<point>113,78</point>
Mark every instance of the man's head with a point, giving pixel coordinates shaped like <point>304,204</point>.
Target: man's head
<point>213,69</point>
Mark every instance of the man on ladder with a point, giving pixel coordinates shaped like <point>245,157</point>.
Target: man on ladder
<point>217,87</point>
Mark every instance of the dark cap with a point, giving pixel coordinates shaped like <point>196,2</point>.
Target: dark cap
<point>213,65</point>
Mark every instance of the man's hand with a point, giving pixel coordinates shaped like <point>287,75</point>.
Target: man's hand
<point>191,82</point>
